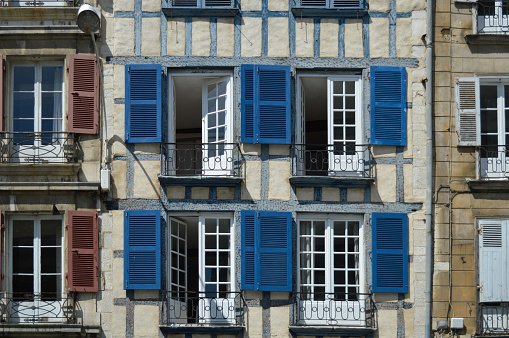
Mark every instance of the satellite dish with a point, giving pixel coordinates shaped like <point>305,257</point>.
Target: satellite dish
<point>88,19</point>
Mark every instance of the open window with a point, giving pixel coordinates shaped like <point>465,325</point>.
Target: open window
<point>200,125</point>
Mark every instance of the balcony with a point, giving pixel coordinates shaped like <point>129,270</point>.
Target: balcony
<point>39,3</point>
<point>203,312</point>
<point>200,164</point>
<point>332,312</point>
<point>492,168</point>
<point>491,23</point>
<point>494,319</point>
<point>331,165</point>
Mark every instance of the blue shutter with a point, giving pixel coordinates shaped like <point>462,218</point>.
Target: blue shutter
<point>143,103</point>
<point>248,249</point>
<point>142,250</point>
<point>266,250</point>
<point>270,101</point>
<point>388,106</point>
<point>390,252</point>
<point>247,106</point>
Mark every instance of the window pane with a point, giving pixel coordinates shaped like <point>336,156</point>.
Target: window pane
<point>305,260</point>
<point>350,117</point>
<point>210,275</point>
<point>319,228</point>
<point>50,287</point>
<point>24,78</point>
<point>22,233</point>
<point>26,126</point>
<point>211,90</point>
<point>338,117</point>
<point>212,105</point>
<point>489,121</point>
<point>51,105</point>
<point>488,96</point>
<point>221,103</point>
<point>224,242</point>
<point>52,78</point>
<point>23,260</point>
<point>338,102</point>
<point>350,102</point>
<point>224,258</point>
<point>338,87</point>
<point>339,261</point>
<point>339,244</point>
<point>319,244</point>
<point>224,275</point>
<point>353,228</point>
<point>319,277</point>
<point>221,88</point>
<point>350,87</point>
<point>211,118</point>
<point>23,105</point>
<point>224,226</point>
<point>23,285</point>
<point>210,242</point>
<point>339,228</point>
<point>320,261</point>
<point>210,225</point>
<point>51,260</point>
<point>305,228</point>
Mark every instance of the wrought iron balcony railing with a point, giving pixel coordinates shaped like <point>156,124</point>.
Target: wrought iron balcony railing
<point>46,147</point>
<point>30,308</point>
<point>493,162</point>
<point>493,16</point>
<point>39,3</point>
<point>331,160</point>
<point>183,308</point>
<point>204,159</point>
<point>494,318</point>
<point>338,309</point>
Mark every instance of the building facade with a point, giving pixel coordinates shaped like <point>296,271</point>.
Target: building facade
<point>267,164</point>
<point>471,89</point>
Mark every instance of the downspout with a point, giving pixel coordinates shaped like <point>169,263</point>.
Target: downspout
<point>429,168</point>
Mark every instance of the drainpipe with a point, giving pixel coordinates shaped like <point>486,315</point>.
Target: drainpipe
<point>429,168</point>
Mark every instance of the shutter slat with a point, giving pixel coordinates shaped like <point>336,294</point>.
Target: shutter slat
<point>143,103</point>
<point>83,251</point>
<point>83,98</point>
<point>388,106</point>
<point>390,252</point>
<point>142,250</point>
<point>467,111</point>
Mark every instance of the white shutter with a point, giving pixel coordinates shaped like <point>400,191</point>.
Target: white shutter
<point>471,1</point>
<point>493,261</point>
<point>468,118</point>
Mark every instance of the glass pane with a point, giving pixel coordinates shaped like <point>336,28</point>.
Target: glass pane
<point>338,117</point>
<point>221,88</point>
<point>23,105</point>
<point>211,106</point>
<point>353,228</point>
<point>224,226</point>
<point>210,275</point>
<point>22,232</point>
<point>305,260</point>
<point>211,118</point>
<point>52,78</point>
<point>338,87</point>
<point>353,245</point>
<point>224,259</point>
<point>224,275</point>
<point>488,96</point>
<point>353,261</point>
<point>305,277</point>
<point>350,133</point>
<point>221,116</point>
<point>305,228</point>
<point>338,102</point>
<point>339,244</point>
<point>51,232</point>
<point>338,133</point>
<point>23,260</point>
<point>339,261</point>
<point>221,133</point>
<point>50,287</point>
<point>24,78</point>
<point>174,228</point>
<point>221,103</point>
<point>339,228</point>
<point>211,90</point>
<point>305,243</point>
<point>22,285</point>
<point>339,277</point>
<point>51,126</point>
<point>319,261</point>
<point>24,126</point>
<point>352,277</point>
<point>51,105</point>
<point>319,228</point>
<point>319,277</point>
<point>174,244</point>
<point>350,117</point>
<point>210,225</point>
<point>212,135</point>
<point>224,242</point>
<point>211,290</point>
<point>51,260</point>
<point>210,242</point>
<point>489,121</point>
<point>182,262</point>
<point>349,87</point>
<point>350,102</point>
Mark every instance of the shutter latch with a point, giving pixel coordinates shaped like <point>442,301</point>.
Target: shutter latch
<point>479,230</point>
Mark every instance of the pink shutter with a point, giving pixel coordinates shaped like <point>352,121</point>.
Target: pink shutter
<point>83,251</point>
<point>83,98</point>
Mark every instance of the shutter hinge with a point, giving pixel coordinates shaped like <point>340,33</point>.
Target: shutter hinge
<point>67,69</point>
<point>479,287</point>
<point>479,230</point>
<point>67,226</point>
<point>66,276</point>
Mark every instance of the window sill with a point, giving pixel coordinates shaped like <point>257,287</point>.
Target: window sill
<point>487,39</point>
<point>201,329</point>
<point>32,169</point>
<point>200,12</point>
<point>201,181</point>
<point>329,12</point>
<point>488,186</point>
<point>331,181</point>
<point>60,330</point>
<point>50,186</point>
<point>330,330</point>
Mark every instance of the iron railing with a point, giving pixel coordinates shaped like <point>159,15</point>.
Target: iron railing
<point>493,16</point>
<point>338,309</point>
<point>37,308</point>
<point>203,159</point>
<point>39,3</point>
<point>493,162</point>
<point>331,160</point>
<point>493,318</point>
<point>186,308</point>
<point>46,147</point>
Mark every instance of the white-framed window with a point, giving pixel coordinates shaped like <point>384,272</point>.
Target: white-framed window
<point>200,124</point>
<point>36,109</point>
<point>493,16</point>
<point>332,104</point>
<point>201,270</point>
<point>35,265</point>
<point>331,270</point>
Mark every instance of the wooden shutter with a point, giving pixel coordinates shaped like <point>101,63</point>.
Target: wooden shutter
<point>468,109</point>
<point>493,271</point>
<point>83,251</point>
<point>266,90</point>
<point>218,3</point>
<point>312,3</point>
<point>83,98</point>
<point>184,3</point>
<point>142,250</point>
<point>388,106</point>
<point>1,92</point>
<point>346,3</point>
<point>390,252</point>
<point>267,237</point>
<point>143,103</point>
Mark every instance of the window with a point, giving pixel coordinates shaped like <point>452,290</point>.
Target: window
<point>331,271</point>
<point>332,104</point>
<point>201,125</point>
<point>329,8</point>
<point>201,273</point>
<point>36,262</point>
<point>493,16</point>
<point>342,4</point>
<point>201,7</point>
<point>36,3</point>
<point>493,271</point>
<point>202,3</point>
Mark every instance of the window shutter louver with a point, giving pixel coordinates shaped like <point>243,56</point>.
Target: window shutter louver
<point>388,106</point>
<point>390,252</point>
<point>1,92</point>
<point>468,111</point>
<point>142,250</point>
<point>83,251</point>
<point>266,250</point>
<point>346,3</point>
<point>493,256</point>
<point>83,98</point>
<point>143,103</point>
<point>270,119</point>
